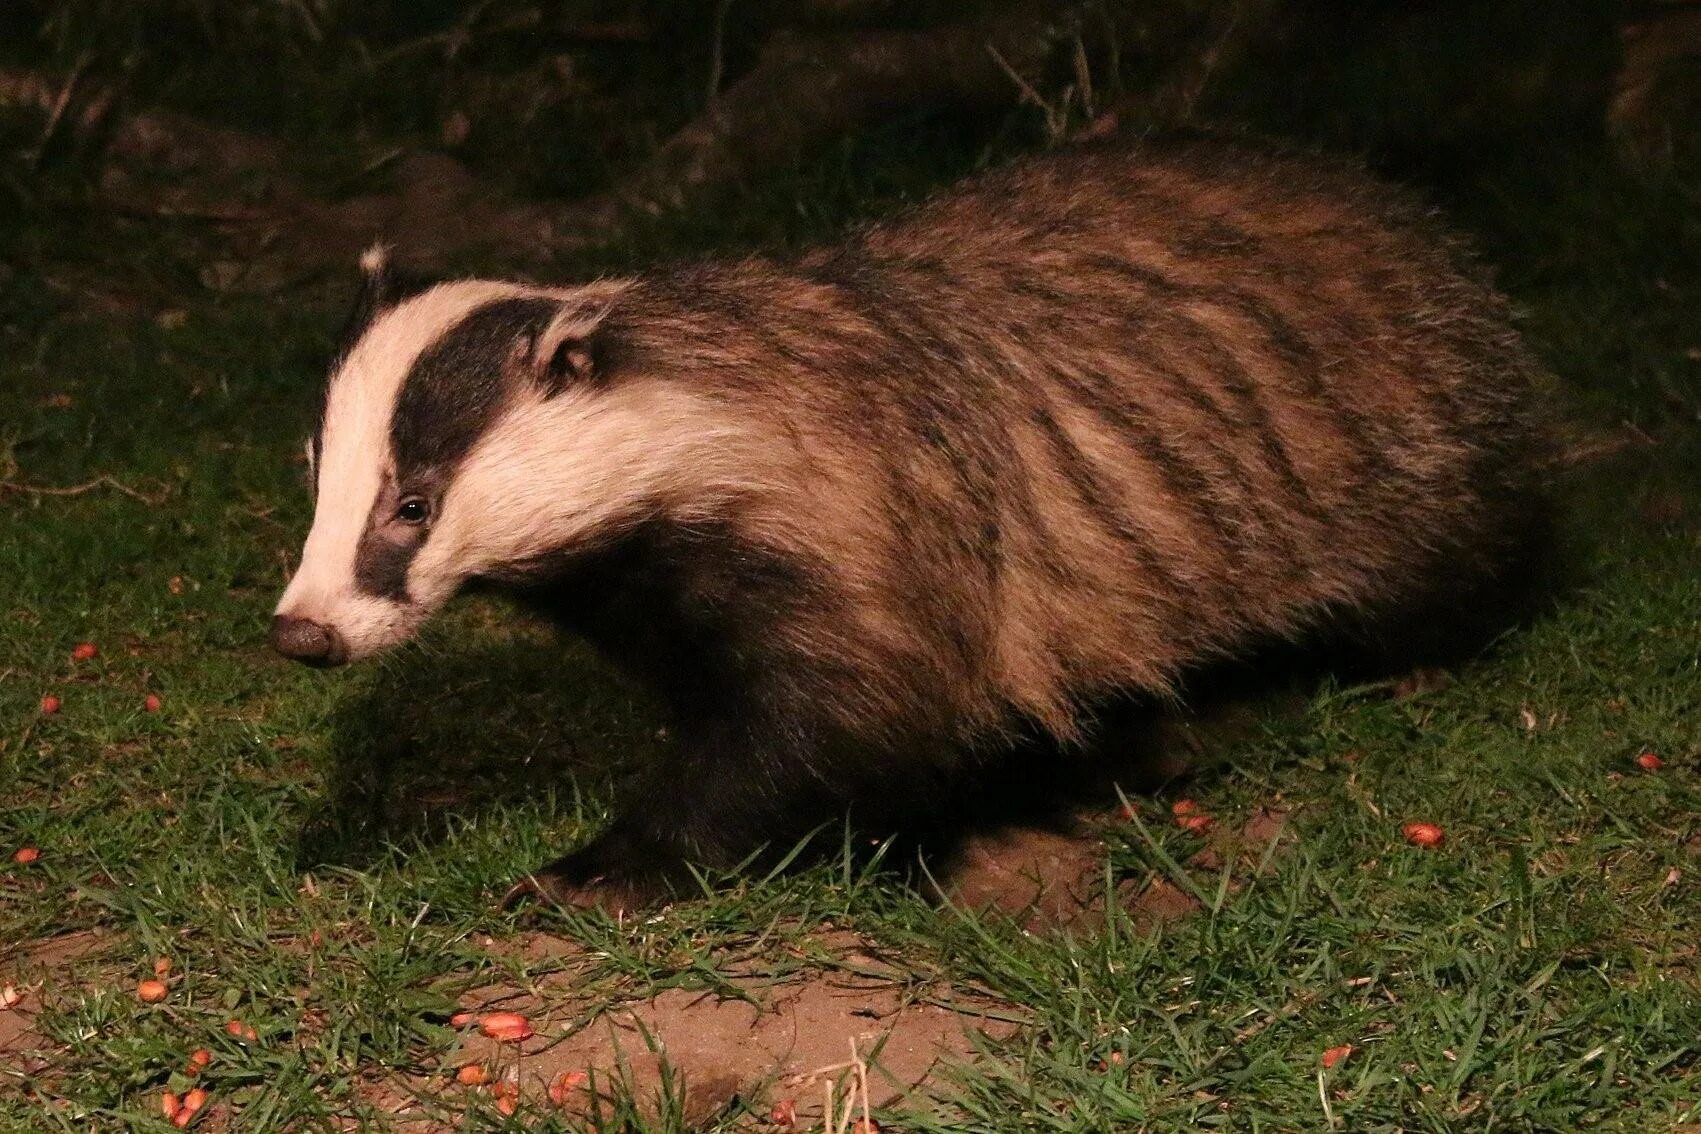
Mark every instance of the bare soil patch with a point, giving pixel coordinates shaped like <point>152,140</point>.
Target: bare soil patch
<point>1051,881</point>
<point>33,969</point>
<point>766,1042</point>
<point>785,1045</point>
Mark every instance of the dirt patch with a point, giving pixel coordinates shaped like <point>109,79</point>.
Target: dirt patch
<point>1242,845</point>
<point>1050,881</point>
<point>1043,879</point>
<point>786,1043</point>
<point>789,1042</point>
<point>32,971</point>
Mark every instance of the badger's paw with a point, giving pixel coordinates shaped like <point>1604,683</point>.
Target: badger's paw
<point>592,878</point>
<point>545,885</point>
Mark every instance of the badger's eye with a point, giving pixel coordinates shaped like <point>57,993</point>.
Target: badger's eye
<point>413,510</point>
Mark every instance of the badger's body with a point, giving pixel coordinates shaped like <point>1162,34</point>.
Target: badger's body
<point>1065,432</point>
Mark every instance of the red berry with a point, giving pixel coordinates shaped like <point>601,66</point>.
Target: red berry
<point>85,651</point>
<point>151,703</point>
<point>507,1027</point>
<point>1650,762</point>
<point>1423,834</point>
<point>1335,1054</point>
<point>50,704</point>
<point>23,856</point>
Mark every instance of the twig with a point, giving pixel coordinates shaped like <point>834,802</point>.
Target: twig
<point>1084,81</point>
<point>1600,446</point>
<point>716,57</point>
<point>103,481</point>
<point>838,1119</point>
<point>1056,119</point>
<point>57,114</point>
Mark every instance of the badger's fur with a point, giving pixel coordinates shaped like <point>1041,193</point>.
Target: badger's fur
<point>1067,431</point>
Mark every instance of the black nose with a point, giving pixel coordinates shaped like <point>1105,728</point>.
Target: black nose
<point>307,641</point>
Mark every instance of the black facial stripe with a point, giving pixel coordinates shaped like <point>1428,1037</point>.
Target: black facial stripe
<point>386,550</point>
<point>381,567</point>
<point>457,385</point>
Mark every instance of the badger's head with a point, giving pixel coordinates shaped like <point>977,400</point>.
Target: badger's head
<point>476,428</point>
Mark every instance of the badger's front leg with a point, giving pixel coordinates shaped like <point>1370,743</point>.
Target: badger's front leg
<point>729,791</point>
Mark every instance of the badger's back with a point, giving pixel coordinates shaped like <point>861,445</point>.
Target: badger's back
<point>1100,416</point>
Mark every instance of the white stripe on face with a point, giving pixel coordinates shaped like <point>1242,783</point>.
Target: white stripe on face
<point>355,457</point>
<point>559,472</point>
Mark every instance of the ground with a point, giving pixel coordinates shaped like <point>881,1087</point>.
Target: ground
<point>315,855</point>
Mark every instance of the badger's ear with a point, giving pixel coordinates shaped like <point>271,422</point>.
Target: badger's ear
<point>382,286</point>
<point>570,350</point>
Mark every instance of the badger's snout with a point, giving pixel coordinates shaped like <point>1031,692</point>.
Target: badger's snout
<point>304,640</point>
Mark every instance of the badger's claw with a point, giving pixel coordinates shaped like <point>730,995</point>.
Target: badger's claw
<point>553,887</point>
<point>589,879</point>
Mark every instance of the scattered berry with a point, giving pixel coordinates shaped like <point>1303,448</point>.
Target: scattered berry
<point>784,1113</point>
<point>1195,823</point>
<point>563,1085</point>
<point>162,967</point>
<point>1183,807</point>
<point>49,705</point>
<point>23,856</point>
<point>1423,834</point>
<point>865,1126</point>
<point>1650,762</point>
<point>507,1106</point>
<point>198,1060</point>
<point>1335,1054</point>
<point>151,991</point>
<point>195,1100</point>
<point>507,1027</point>
<point>10,997</point>
<point>471,1074</point>
<point>151,703</point>
<point>462,1019</point>
<point>168,1104</point>
<point>175,585</point>
<point>241,1031</point>
<point>84,651</point>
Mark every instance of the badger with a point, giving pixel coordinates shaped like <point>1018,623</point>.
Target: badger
<point>868,512</point>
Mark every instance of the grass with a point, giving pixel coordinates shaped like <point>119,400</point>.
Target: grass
<point>317,854</point>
